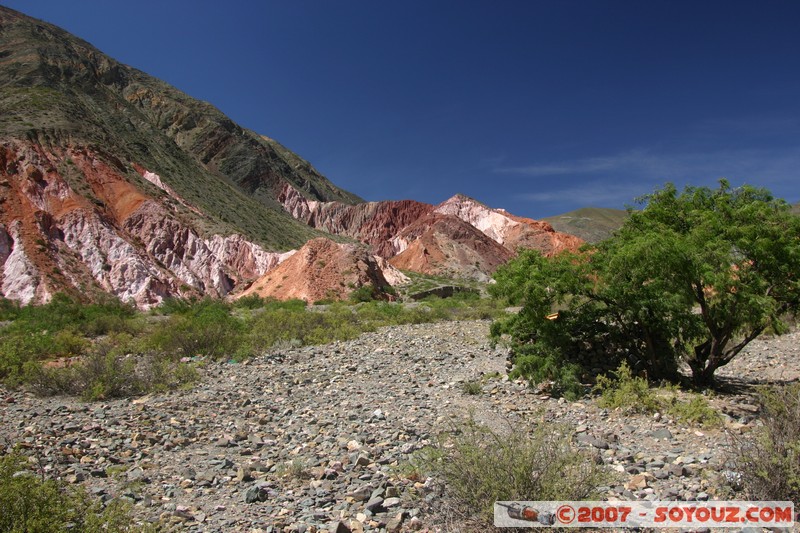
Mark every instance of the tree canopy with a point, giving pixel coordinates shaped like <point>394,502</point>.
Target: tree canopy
<point>693,276</point>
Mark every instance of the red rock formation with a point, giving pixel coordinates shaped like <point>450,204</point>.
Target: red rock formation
<point>322,269</point>
<point>111,237</point>
<point>445,245</point>
<point>373,223</point>
<point>460,237</point>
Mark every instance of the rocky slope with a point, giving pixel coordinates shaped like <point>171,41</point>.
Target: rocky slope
<point>459,237</point>
<point>321,437</point>
<point>123,241</point>
<point>323,269</point>
<point>592,224</point>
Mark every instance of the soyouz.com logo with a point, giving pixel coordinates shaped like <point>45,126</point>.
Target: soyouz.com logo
<point>644,514</point>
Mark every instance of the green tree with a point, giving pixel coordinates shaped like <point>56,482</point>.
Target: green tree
<point>693,276</point>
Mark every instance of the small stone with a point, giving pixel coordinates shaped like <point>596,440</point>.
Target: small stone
<point>243,474</point>
<point>374,504</point>
<point>360,494</point>
<point>662,433</point>
<point>391,502</point>
<point>395,524</point>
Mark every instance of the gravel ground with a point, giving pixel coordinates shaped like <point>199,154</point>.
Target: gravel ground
<point>317,438</point>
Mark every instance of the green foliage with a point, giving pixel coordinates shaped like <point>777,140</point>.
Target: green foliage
<point>769,461</point>
<point>540,365</point>
<point>633,394</point>
<point>479,466</point>
<point>693,276</point>
<point>473,388</point>
<point>137,354</point>
<point>205,328</point>
<point>365,293</point>
<point>114,368</point>
<point>696,411</point>
<point>626,391</point>
<point>30,504</point>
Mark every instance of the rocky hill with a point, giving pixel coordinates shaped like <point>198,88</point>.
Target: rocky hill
<point>460,237</point>
<point>112,181</point>
<point>592,224</point>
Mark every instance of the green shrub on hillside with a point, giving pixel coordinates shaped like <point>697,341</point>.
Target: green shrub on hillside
<point>634,394</point>
<point>205,328</point>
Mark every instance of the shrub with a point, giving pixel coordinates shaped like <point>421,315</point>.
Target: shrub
<point>693,276</point>
<point>539,364</point>
<point>769,460</point>
<point>31,504</point>
<point>110,371</point>
<point>473,388</point>
<point>634,394</point>
<point>479,466</point>
<point>204,328</point>
<point>365,293</point>
<point>695,411</point>
<point>626,391</point>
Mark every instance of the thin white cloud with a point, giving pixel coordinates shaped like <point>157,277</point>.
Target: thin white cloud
<point>591,165</point>
<point>776,169</point>
<point>596,194</point>
<point>617,180</point>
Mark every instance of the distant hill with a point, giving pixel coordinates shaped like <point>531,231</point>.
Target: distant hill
<point>592,224</point>
<point>796,208</point>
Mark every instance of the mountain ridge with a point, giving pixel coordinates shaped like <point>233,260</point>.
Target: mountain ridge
<point>112,181</point>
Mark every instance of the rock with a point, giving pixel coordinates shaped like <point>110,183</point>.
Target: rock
<point>388,503</point>
<point>395,524</point>
<point>243,474</point>
<point>361,493</point>
<point>639,481</point>
<point>374,504</point>
<point>662,433</point>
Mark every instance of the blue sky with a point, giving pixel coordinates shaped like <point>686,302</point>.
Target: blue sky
<point>536,107</point>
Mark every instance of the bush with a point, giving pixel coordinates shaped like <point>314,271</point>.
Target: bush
<point>111,371</point>
<point>365,293</point>
<point>479,466</point>
<point>539,365</point>
<point>691,277</point>
<point>204,328</point>
<point>626,391</point>
<point>31,504</point>
<point>634,394</point>
<point>769,460</point>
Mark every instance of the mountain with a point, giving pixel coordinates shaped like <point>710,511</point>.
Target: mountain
<point>323,269</point>
<point>460,237</point>
<point>112,181</point>
<point>592,224</point>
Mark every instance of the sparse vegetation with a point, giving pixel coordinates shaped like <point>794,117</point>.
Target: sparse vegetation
<point>480,466</point>
<point>768,459</point>
<point>634,394</point>
<point>109,350</point>
<point>472,388</point>
<point>33,504</point>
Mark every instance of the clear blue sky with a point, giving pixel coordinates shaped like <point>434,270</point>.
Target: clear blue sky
<point>536,107</point>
